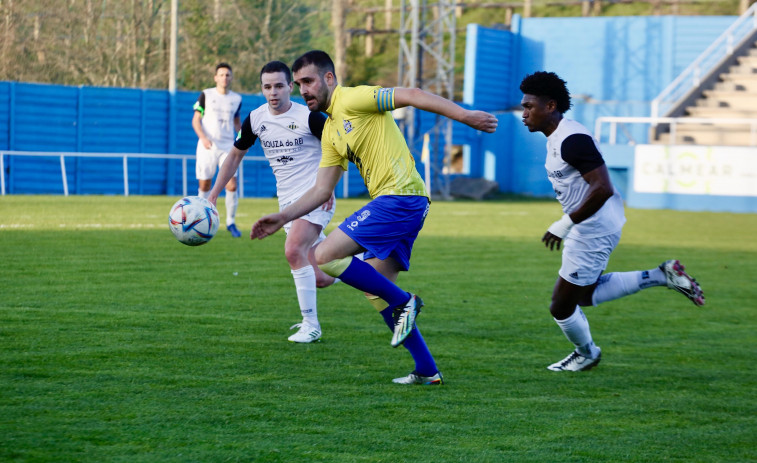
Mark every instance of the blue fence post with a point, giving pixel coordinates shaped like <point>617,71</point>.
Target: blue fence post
<point>11,133</point>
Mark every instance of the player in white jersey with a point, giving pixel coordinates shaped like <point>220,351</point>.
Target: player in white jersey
<point>290,135</point>
<point>591,225</point>
<point>216,122</point>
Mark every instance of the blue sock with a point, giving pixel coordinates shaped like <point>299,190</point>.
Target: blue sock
<point>416,345</point>
<point>362,276</point>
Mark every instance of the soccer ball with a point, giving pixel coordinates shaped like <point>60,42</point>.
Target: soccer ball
<point>193,220</point>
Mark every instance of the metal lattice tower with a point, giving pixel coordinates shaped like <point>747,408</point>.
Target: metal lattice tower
<point>427,61</point>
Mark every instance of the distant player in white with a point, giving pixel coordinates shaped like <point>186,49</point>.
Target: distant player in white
<point>216,122</point>
<point>591,225</point>
<point>290,135</point>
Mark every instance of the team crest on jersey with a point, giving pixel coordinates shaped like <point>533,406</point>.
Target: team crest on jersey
<point>292,126</point>
<point>285,159</point>
<point>347,126</point>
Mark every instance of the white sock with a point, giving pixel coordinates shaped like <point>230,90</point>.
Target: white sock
<point>231,207</point>
<point>304,283</point>
<point>203,194</point>
<point>618,284</point>
<point>576,329</point>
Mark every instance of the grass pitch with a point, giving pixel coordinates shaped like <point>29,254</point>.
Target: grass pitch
<point>118,344</point>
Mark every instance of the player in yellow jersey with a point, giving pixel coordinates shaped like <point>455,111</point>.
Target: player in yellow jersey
<point>360,129</point>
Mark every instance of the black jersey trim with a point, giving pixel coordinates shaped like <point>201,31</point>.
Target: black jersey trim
<point>579,151</point>
<point>246,137</point>
<point>316,121</point>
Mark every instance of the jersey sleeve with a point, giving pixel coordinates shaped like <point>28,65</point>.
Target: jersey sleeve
<point>200,104</point>
<point>579,151</point>
<point>316,119</point>
<point>330,156</point>
<point>239,109</point>
<point>367,99</point>
<point>246,138</point>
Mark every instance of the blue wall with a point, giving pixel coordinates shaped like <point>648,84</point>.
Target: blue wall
<point>63,119</point>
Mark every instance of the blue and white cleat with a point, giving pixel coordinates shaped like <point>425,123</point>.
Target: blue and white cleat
<point>235,233</point>
<point>404,319</point>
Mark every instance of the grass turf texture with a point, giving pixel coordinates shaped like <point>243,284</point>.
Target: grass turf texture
<point>118,344</point>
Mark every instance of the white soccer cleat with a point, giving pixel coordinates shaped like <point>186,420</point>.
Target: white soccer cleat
<point>682,282</point>
<point>415,378</point>
<point>306,333</point>
<point>576,362</point>
<point>404,319</point>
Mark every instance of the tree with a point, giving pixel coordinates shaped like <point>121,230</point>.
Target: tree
<point>125,43</point>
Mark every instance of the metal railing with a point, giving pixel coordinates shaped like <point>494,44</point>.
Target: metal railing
<point>692,76</point>
<point>616,123</point>
<point>126,156</point>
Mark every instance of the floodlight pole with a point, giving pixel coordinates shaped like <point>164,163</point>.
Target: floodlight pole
<point>427,46</point>
<point>173,46</point>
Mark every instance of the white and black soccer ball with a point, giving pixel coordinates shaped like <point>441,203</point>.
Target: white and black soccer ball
<point>193,220</point>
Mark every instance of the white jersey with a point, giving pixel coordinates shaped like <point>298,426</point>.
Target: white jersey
<point>218,114</point>
<point>572,152</point>
<point>292,144</point>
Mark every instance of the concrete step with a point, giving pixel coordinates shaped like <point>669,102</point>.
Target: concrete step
<point>731,86</point>
<point>721,112</point>
<point>749,60</point>
<point>711,136</point>
<point>752,51</point>
<point>728,94</point>
<point>744,68</point>
<point>728,99</point>
<point>746,82</point>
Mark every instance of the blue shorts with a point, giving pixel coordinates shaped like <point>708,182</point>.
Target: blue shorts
<point>388,226</point>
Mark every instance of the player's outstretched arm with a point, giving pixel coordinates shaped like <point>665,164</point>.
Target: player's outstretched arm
<point>421,99</point>
<point>316,196</point>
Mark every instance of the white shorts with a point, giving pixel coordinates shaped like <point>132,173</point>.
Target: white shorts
<point>584,260</point>
<point>318,217</point>
<point>208,161</point>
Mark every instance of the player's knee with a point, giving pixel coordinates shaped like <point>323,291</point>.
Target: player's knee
<point>294,256</point>
<point>335,267</point>
<point>561,311</point>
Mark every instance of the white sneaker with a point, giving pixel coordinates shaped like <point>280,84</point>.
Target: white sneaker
<point>404,319</point>
<point>682,282</point>
<point>415,378</point>
<point>576,362</point>
<point>306,333</point>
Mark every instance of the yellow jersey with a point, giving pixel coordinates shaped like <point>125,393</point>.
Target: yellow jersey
<point>360,129</point>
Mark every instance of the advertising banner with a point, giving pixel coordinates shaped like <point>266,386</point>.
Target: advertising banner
<point>696,170</point>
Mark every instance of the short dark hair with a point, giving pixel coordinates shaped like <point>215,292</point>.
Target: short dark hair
<point>319,58</point>
<point>547,85</point>
<point>223,65</point>
<point>277,66</point>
